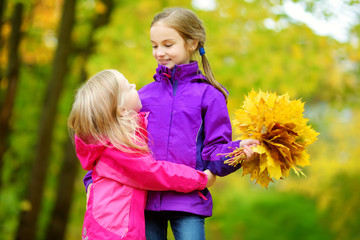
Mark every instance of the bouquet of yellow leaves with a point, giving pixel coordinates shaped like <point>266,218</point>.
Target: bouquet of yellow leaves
<point>278,123</point>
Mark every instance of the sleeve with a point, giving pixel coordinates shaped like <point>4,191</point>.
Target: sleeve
<point>217,135</point>
<point>87,180</point>
<point>144,172</point>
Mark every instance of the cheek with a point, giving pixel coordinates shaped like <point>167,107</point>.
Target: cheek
<point>155,53</point>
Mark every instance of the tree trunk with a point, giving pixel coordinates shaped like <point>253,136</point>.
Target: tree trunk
<point>12,77</point>
<point>2,9</point>
<point>29,218</point>
<point>57,227</point>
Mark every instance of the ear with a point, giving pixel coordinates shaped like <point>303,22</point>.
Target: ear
<point>193,44</point>
<point>122,111</point>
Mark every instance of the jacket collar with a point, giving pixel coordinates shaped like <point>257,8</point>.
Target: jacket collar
<point>184,73</point>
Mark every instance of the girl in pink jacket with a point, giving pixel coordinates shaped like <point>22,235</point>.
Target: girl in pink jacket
<point>110,139</point>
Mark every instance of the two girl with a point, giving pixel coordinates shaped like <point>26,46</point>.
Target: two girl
<point>110,139</point>
<point>188,124</point>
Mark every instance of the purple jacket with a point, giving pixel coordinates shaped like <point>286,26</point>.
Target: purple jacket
<point>188,124</point>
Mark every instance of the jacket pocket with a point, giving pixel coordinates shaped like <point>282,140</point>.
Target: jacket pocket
<point>111,205</point>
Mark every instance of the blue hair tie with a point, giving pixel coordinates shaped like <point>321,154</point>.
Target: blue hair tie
<point>202,51</point>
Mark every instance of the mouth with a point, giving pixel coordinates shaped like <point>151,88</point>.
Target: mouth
<point>164,62</point>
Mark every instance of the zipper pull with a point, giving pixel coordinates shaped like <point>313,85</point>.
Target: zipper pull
<point>167,75</point>
<point>202,196</point>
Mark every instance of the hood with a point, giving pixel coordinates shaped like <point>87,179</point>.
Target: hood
<point>88,154</point>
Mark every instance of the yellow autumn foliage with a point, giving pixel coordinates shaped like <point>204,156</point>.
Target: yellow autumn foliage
<point>278,123</point>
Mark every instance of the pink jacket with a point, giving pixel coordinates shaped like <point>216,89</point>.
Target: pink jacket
<point>117,198</point>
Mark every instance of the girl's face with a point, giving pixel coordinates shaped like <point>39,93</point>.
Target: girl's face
<point>131,98</point>
<point>169,48</point>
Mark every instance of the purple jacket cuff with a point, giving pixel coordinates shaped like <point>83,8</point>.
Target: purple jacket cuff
<point>87,180</point>
<point>220,168</point>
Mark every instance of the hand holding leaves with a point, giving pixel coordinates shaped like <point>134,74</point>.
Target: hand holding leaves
<point>278,123</point>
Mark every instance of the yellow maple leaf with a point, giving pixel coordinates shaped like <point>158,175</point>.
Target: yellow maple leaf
<point>278,123</point>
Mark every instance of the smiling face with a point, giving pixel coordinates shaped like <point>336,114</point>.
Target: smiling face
<point>169,48</point>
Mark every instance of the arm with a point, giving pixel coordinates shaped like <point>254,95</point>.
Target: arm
<point>217,134</point>
<point>88,180</point>
<point>142,171</point>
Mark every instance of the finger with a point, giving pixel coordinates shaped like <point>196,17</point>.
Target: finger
<point>248,148</point>
<point>248,152</point>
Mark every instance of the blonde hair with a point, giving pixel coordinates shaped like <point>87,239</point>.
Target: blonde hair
<point>190,28</point>
<point>95,114</point>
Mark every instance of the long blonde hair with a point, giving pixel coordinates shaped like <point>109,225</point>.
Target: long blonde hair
<point>95,114</point>
<point>190,28</point>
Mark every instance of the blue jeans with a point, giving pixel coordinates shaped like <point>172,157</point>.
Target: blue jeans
<point>185,226</point>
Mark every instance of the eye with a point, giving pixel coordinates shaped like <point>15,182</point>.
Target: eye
<point>168,45</point>
<point>154,47</point>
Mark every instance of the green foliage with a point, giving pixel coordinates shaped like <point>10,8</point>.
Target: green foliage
<point>244,54</point>
<point>265,215</point>
<point>342,212</point>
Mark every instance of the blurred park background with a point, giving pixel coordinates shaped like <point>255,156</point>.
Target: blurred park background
<point>48,48</point>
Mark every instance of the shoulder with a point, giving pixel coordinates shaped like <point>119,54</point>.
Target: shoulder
<point>111,153</point>
<point>211,93</point>
<point>149,87</point>
<point>146,87</point>
<point>212,98</point>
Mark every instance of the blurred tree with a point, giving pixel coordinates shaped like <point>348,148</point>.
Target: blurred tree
<point>29,217</point>
<point>59,219</point>
<point>342,81</point>
<point>11,82</point>
<point>342,213</point>
<point>263,48</point>
<point>2,10</point>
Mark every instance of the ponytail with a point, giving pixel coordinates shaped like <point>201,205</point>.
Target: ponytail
<point>209,74</point>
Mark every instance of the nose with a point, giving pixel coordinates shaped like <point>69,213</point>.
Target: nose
<point>160,52</point>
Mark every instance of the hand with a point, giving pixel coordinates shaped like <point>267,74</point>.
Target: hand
<point>88,194</point>
<point>247,144</point>
<point>211,178</point>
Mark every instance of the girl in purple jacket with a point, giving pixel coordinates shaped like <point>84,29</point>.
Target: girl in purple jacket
<point>189,123</point>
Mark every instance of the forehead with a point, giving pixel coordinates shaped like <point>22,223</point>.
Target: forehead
<point>122,81</point>
<point>160,32</point>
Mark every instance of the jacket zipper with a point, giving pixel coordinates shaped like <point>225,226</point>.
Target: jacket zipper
<point>174,86</point>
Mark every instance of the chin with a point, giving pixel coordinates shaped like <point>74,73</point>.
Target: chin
<point>168,65</point>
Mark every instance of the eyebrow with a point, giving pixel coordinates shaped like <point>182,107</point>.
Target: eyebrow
<point>166,40</point>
